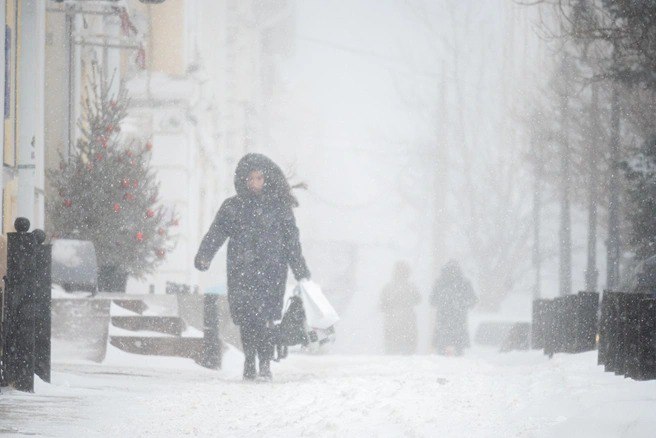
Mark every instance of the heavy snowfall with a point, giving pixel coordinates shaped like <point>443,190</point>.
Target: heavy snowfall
<point>308,218</point>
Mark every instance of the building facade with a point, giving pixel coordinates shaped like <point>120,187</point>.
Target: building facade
<point>199,75</point>
<point>22,101</point>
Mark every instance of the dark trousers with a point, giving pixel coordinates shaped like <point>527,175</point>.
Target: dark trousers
<point>256,340</point>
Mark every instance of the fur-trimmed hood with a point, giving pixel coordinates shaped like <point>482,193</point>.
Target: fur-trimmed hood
<point>276,186</point>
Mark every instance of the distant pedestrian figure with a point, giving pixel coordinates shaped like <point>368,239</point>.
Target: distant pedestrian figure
<point>397,301</point>
<point>453,296</point>
<point>264,243</point>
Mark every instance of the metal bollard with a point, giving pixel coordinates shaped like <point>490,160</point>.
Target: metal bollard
<point>587,321</point>
<point>621,321</point>
<point>604,328</point>
<point>634,303</point>
<point>43,287</point>
<point>560,325</point>
<point>3,290</point>
<point>550,325</point>
<point>569,317</point>
<point>211,354</point>
<point>538,327</point>
<point>646,360</point>
<point>19,324</point>
<point>612,331</point>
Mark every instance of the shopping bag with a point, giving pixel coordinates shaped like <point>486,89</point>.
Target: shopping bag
<point>319,313</point>
<point>291,329</point>
<point>308,319</point>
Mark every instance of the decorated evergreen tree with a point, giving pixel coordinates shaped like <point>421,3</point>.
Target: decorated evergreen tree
<point>108,193</point>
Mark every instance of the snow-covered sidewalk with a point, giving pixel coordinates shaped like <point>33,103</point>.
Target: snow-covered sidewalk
<point>482,395</point>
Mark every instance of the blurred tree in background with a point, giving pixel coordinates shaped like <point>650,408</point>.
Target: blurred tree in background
<point>107,191</point>
<point>640,173</point>
<point>614,45</point>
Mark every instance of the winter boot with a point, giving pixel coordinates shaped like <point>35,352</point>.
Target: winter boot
<point>250,372</point>
<point>265,370</point>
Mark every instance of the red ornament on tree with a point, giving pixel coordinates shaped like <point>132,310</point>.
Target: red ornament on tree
<point>160,253</point>
<point>140,236</point>
<point>103,142</point>
<point>68,203</point>
<point>149,146</point>
<point>150,213</point>
<point>109,129</point>
<point>128,197</point>
<point>175,222</point>
<point>135,184</point>
<point>117,207</point>
<point>89,167</point>
<point>99,157</point>
<point>161,232</point>
<point>129,153</point>
<point>125,183</point>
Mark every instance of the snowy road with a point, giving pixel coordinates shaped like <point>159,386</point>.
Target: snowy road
<point>484,395</point>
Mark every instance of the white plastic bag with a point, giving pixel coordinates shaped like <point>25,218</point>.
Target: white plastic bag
<point>319,313</point>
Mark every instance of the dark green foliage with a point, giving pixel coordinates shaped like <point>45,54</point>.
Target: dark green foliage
<point>640,172</point>
<point>627,27</point>
<point>106,191</point>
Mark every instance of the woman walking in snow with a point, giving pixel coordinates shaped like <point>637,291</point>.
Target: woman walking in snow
<point>398,301</point>
<point>263,243</point>
<point>453,296</point>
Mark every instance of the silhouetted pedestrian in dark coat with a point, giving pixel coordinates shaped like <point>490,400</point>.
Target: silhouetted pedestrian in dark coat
<point>452,297</point>
<point>263,243</point>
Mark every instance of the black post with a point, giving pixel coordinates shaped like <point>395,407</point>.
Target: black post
<point>3,294</point>
<point>42,261</point>
<point>18,351</point>
<point>632,334</point>
<point>612,330</point>
<point>621,321</point>
<point>558,326</point>
<point>647,341</point>
<point>570,316</point>
<point>539,327</point>
<point>604,328</point>
<point>550,326</point>
<point>211,354</point>
<point>586,322</point>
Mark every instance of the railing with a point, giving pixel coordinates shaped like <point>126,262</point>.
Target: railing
<point>625,331</point>
<point>627,335</point>
<point>566,324</point>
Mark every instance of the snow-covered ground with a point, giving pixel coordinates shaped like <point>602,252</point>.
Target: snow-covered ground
<point>486,394</point>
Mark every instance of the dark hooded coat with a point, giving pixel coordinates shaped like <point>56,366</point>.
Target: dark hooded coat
<point>263,241</point>
<point>453,296</point>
